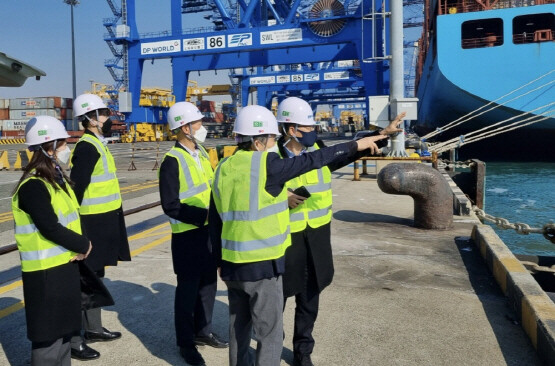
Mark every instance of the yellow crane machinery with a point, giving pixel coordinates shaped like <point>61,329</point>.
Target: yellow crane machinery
<point>158,97</point>
<point>194,90</point>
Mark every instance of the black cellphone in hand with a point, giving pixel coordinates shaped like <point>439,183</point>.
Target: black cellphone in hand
<point>302,191</point>
<point>382,143</point>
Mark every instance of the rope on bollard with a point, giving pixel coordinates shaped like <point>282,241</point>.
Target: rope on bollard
<point>548,230</point>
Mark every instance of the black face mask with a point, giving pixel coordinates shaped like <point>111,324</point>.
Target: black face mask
<point>107,128</point>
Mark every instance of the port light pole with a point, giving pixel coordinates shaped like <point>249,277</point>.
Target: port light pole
<point>73,3</point>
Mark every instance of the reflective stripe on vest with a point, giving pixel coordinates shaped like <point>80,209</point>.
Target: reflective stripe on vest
<point>37,252</point>
<point>102,194</point>
<point>316,210</point>
<point>194,183</point>
<point>255,224</point>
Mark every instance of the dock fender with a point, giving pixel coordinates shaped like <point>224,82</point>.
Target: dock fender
<point>433,199</point>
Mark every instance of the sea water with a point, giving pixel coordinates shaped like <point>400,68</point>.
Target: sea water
<point>522,192</point>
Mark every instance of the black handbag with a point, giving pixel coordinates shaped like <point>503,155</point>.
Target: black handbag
<point>93,292</point>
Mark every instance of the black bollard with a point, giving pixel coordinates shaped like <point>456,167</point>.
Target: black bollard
<point>433,199</point>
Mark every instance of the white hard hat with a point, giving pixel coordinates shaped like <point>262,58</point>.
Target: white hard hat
<point>43,129</point>
<point>182,113</point>
<point>295,110</point>
<point>86,103</point>
<point>254,120</point>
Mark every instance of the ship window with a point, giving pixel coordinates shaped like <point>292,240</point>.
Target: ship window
<point>482,33</point>
<point>534,28</point>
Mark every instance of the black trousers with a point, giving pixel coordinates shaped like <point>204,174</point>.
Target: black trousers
<point>306,309</point>
<point>91,319</point>
<point>194,305</point>
<point>306,312</point>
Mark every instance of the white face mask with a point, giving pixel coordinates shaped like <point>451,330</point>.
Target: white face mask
<point>274,148</point>
<point>200,134</point>
<point>63,155</point>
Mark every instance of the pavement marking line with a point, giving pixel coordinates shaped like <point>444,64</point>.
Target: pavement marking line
<point>10,287</point>
<point>140,188</point>
<point>151,245</point>
<point>148,231</point>
<point>12,309</point>
<point>155,234</point>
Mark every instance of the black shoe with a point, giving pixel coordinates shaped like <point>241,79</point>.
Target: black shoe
<point>212,340</point>
<point>191,356</point>
<point>84,353</point>
<point>302,360</point>
<point>103,336</point>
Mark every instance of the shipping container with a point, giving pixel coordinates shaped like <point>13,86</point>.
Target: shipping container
<point>4,103</point>
<point>40,103</point>
<point>59,113</point>
<point>14,124</point>
<point>4,113</point>
<point>13,134</point>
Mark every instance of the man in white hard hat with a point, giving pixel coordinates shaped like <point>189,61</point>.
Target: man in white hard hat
<point>249,230</point>
<point>185,178</point>
<point>308,261</point>
<point>93,171</point>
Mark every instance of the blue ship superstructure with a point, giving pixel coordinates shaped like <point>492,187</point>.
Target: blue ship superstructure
<point>498,56</point>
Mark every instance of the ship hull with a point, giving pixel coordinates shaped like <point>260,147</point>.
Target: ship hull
<point>457,81</point>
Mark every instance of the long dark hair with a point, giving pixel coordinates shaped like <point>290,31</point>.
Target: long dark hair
<point>43,168</point>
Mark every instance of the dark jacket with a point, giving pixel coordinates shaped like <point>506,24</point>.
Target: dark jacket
<point>106,231</point>
<point>52,296</point>
<point>279,171</point>
<point>191,250</point>
<point>309,260</point>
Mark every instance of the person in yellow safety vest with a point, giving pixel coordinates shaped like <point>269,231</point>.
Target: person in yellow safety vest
<point>185,178</point>
<point>249,229</point>
<point>49,239</point>
<point>308,261</point>
<point>93,171</point>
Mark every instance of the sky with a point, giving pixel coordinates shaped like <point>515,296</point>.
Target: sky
<point>38,32</point>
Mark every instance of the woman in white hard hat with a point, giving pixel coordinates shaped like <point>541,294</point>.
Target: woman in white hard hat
<point>93,171</point>
<point>185,178</point>
<point>249,229</point>
<point>308,261</point>
<point>49,239</point>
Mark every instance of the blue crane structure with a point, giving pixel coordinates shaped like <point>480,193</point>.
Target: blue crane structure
<point>258,33</point>
<point>292,80</point>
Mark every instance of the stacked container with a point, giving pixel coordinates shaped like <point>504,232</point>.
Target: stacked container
<point>212,111</point>
<point>15,113</point>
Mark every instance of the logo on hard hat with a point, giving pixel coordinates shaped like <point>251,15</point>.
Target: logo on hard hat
<point>42,132</point>
<point>177,119</point>
<point>84,105</point>
<point>284,113</point>
<point>258,124</point>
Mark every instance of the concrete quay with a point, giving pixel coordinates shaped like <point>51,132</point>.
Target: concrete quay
<point>400,296</point>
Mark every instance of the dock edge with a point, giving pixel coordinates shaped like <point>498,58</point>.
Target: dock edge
<point>535,309</point>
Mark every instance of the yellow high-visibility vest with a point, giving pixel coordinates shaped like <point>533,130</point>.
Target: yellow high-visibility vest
<point>255,223</point>
<point>102,194</point>
<point>194,183</point>
<point>37,252</point>
<point>316,210</point>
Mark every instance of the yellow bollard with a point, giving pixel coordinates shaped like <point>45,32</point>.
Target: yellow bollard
<point>213,156</point>
<point>229,150</point>
<point>4,163</point>
<point>17,164</point>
